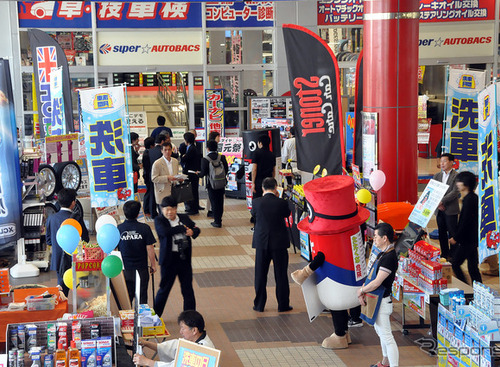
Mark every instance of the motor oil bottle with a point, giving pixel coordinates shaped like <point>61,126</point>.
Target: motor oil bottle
<point>61,356</point>
<point>74,356</point>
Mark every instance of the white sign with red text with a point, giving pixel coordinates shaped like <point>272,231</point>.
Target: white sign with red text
<point>460,40</point>
<point>150,48</point>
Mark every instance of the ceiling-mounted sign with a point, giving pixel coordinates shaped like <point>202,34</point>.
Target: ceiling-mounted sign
<point>240,14</point>
<point>342,12</point>
<point>150,48</point>
<point>457,40</point>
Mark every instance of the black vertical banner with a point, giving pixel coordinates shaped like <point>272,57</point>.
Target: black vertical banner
<point>317,110</point>
<point>358,108</point>
<point>47,55</point>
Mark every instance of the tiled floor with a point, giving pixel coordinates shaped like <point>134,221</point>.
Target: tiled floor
<point>223,263</point>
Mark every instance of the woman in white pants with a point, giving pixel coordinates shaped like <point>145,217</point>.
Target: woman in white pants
<point>386,265</point>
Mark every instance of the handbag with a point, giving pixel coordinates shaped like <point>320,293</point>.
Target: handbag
<point>182,192</point>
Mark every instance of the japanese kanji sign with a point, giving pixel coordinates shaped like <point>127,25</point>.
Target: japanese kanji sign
<point>349,12</point>
<point>103,116</point>
<point>232,148</point>
<point>214,111</point>
<point>234,14</point>
<point>489,236</point>
<point>58,122</point>
<point>461,119</point>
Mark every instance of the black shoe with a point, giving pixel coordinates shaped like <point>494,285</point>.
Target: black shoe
<point>257,309</point>
<point>210,214</point>
<point>201,208</point>
<point>216,225</point>
<point>192,213</point>
<point>289,308</point>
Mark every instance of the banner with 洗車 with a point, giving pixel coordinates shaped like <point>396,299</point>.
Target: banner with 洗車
<point>460,138</point>
<point>489,237</point>
<point>109,159</point>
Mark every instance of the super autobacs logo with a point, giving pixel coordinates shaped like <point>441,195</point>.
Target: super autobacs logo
<point>453,41</point>
<point>106,48</point>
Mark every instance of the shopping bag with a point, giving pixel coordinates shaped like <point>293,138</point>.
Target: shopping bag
<point>182,192</point>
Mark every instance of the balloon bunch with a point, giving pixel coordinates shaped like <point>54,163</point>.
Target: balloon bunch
<point>108,237</point>
<point>377,181</point>
<point>68,235</point>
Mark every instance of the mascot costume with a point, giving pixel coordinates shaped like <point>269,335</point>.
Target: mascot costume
<point>337,248</point>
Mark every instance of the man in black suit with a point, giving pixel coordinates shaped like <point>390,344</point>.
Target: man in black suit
<point>271,242</point>
<point>146,174</point>
<point>60,261</point>
<point>191,165</point>
<point>153,154</point>
<point>175,232</point>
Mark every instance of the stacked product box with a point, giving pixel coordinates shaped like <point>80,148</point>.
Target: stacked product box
<point>430,277</point>
<point>4,281</point>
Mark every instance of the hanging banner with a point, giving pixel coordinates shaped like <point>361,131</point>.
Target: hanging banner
<point>461,117</point>
<point>47,56</point>
<point>489,236</point>
<point>58,122</point>
<point>10,175</point>
<point>109,159</point>
<point>358,108</point>
<point>214,111</point>
<point>227,14</point>
<point>317,109</point>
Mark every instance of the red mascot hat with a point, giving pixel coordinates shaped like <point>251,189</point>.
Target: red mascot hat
<point>331,207</point>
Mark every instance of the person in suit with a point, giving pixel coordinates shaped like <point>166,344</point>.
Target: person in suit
<point>60,261</point>
<point>271,242</point>
<point>467,233</point>
<point>216,197</point>
<point>163,173</point>
<point>191,165</point>
<point>175,232</point>
<point>136,167</point>
<point>153,154</point>
<point>148,200</point>
<point>448,209</point>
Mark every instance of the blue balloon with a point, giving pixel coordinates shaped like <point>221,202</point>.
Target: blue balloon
<point>108,237</point>
<point>67,238</point>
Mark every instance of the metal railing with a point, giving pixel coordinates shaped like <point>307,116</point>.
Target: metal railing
<point>174,103</point>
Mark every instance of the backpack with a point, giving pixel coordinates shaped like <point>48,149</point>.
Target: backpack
<point>217,174</point>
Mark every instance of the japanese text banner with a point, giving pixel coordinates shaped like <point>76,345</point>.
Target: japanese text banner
<point>462,117</point>
<point>103,117</point>
<point>489,237</point>
<point>58,120</point>
<point>214,111</point>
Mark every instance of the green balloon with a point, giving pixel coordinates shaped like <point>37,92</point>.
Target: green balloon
<point>111,266</point>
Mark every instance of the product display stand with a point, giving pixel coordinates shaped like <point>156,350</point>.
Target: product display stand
<point>22,269</point>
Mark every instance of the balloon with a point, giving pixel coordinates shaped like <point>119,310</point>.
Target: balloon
<point>74,223</point>
<point>377,179</point>
<point>108,237</point>
<point>67,238</point>
<point>364,196</point>
<point>111,266</point>
<point>68,278</point>
<point>105,219</point>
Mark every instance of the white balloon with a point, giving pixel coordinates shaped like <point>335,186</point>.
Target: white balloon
<point>105,219</point>
<point>377,179</point>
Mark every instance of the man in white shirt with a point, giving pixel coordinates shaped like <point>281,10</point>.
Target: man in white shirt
<point>192,328</point>
<point>289,151</point>
<point>448,209</point>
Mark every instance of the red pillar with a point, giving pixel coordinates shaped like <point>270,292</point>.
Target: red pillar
<point>390,88</point>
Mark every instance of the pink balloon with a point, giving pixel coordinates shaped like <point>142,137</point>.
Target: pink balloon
<point>377,179</point>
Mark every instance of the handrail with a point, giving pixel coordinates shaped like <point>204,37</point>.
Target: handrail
<point>176,108</point>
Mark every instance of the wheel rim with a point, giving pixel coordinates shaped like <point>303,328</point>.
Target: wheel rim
<point>47,181</point>
<point>70,177</point>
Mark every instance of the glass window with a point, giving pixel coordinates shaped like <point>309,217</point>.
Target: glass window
<point>239,47</point>
<point>346,43</point>
<point>76,45</point>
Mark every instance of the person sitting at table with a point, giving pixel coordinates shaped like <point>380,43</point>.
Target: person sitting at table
<point>192,328</point>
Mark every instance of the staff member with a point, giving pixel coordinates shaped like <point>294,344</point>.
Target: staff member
<point>163,173</point>
<point>175,232</point>
<point>384,267</point>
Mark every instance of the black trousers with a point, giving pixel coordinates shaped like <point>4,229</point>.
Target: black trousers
<point>169,271</point>
<point>129,275</point>
<point>280,261</point>
<point>470,254</point>
<point>447,224</point>
<point>217,202</point>
<point>341,318</point>
<point>148,197</point>
<point>194,204</point>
